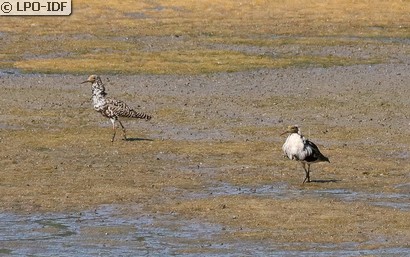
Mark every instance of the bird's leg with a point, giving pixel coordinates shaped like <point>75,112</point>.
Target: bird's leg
<point>113,128</point>
<point>307,175</point>
<point>123,130</point>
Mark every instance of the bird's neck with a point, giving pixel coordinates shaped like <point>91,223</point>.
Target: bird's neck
<point>99,94</point>
<point>298,135</point>
<point>98,89</point>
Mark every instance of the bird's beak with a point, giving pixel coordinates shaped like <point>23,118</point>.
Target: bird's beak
<point>284,133</point>
<point>85,82</point>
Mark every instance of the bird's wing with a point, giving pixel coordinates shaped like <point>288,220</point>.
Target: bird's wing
<point>313,151</point>
<point>311,144</point>
<point>118,107</point>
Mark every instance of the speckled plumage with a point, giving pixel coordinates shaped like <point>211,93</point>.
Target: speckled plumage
<point>111,108</point>
<point>297,147</point>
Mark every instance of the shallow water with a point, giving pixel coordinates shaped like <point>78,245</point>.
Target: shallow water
<point>399,201</point>
<point>129,231</point>
<point>107,232</point>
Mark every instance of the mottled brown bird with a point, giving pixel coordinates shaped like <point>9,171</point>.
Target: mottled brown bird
<point>111,108</point>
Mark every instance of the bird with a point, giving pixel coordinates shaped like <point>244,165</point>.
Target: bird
<point>111,108</point>
<point>297,147</point>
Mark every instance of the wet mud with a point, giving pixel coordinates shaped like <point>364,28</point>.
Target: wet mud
<point>206,176</point>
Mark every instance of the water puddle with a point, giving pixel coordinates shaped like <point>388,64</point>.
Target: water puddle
<point>389,200</point>
<point>127,231</point>
<point>130,231</point>
<point>282,190</point>
<point>107,231</point>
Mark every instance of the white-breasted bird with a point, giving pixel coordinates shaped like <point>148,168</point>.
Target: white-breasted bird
<point>298,148</point>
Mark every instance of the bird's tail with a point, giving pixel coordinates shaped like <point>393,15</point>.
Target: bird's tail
<point>323,158</point>
<point>138,115</point>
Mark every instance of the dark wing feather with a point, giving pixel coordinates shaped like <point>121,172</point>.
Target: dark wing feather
<point>316,154</point>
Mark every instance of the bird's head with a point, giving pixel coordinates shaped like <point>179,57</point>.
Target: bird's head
<point>91,79</point>
<point>291,129</point>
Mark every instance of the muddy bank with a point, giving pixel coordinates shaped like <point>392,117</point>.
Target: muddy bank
<point>212,154</point>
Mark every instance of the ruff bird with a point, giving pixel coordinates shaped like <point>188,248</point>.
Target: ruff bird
<point>298,148</point>
<point>111,108</point>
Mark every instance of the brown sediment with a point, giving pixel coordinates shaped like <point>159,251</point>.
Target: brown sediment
<point>219,131</point>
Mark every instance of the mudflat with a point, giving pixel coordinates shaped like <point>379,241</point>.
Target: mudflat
<point>207,176</point>
<point>212,152</point>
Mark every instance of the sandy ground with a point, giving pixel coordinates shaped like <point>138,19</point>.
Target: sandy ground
<point>213,151</point>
